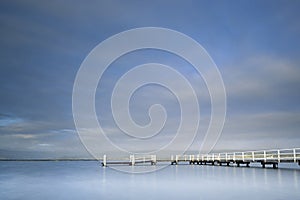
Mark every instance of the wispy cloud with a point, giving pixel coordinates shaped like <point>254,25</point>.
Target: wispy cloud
<point>255,46</point>
<point>259,76</point>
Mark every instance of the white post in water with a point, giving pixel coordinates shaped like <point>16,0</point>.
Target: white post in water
<point>253,158</point>
<point>132,160</point>
<point>243,156</point>
<point>265,156</point>
<point>294,152</point>
<point>104,161</point>
<point>233,156</point>
<point>153,159</point>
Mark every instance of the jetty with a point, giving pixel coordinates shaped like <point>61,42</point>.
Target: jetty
<point>263,157</point>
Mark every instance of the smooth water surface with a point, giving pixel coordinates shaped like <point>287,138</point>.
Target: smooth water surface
<point>88,180</point>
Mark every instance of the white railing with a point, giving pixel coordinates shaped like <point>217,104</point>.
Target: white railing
<point>278,155</point>
<point>133,159</point>
<point>273,156</point>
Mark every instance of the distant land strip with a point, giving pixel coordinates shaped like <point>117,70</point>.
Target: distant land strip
<point>51,159</point>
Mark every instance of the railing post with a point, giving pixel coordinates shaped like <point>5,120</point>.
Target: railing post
<point>233,156</point>
<point>132,160</point>
<point>294,152</point>
<point>104,161</point>
<point>265,156</point>
<point>154,159</point>
<point>278,154</point>
<point>243,156</point>
<point>253,157</point>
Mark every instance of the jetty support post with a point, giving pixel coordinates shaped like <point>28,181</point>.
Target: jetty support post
<point>243,156</point>
<point>132,160</point>
<point>153,160</point>
<point>104,161</point>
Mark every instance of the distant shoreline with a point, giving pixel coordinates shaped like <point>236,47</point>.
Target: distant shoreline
<point>52,159</point>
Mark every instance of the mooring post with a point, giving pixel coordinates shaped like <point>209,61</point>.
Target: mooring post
<point>132,160</point>
<point>243,156</point>
<point>233,156</point>
<point>104,161</point>
<point>154,159</point>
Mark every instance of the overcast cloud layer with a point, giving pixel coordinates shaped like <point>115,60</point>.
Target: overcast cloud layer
<point>255,45</point>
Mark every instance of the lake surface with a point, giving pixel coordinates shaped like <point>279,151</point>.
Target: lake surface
<point>88,180</point>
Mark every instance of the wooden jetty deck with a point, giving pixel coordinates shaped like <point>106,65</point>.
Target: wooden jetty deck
<point>263,157</point>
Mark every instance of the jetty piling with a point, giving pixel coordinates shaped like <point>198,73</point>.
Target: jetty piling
<point>263,157</point>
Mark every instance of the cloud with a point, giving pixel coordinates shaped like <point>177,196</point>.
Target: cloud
<point>265,130</point>
<point>7,120</point>
<point>10,124</point>
<point>23,136</point>
<point>262,76</point>
<point>43,44</point>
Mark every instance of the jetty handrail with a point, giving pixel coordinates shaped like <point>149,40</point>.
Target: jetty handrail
<point>265,157</point>
<point>292,154</point>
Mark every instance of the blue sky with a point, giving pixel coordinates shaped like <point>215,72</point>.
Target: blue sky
<point>255,45</point>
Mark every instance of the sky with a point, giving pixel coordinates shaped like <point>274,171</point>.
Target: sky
<point>255,45</point>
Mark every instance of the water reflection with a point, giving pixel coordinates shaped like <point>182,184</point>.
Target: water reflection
<point>86,180</point>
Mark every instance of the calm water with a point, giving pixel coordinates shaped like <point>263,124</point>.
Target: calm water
<point>87,180</point>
